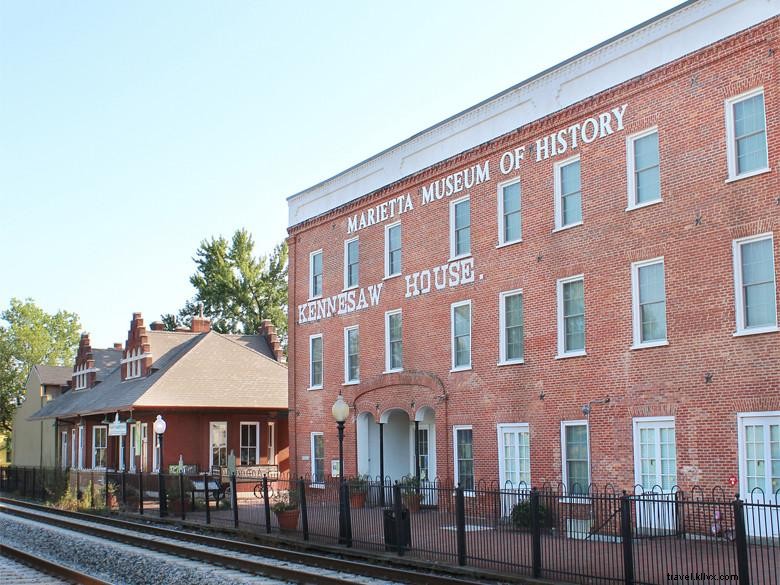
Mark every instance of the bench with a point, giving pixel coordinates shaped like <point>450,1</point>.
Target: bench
<point>217,490</point>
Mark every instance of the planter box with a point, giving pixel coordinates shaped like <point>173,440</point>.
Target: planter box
<point>287,520</point>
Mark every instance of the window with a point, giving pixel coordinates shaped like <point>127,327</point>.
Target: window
<point>509,219</point>
<point>317,458</point>
<point>464,457</point>
<point>134,439</point>
<point>271,443</point>
<point>121,441</point>
<point>642,164</point>
<point>461,335</point>
<point>99,444</point>
<point>649,302</point>
<point>133,363</point>
<point>571,316</point>
<point>655,453</point>
<point>351,263</point>
<point>315,274</point>
<point>460,228</point>
<point>393,343</point>
<point>250,443</point>
<point>514,455</point>
<point>351,355</point>
<point>423,452</point>
<point>568,196</point>
<point>754,283</point>
<point>218,444</point>
<point>82,446</point>
<point>393,249</point>
<point>511,327</point>
<point>74,457</point>
<point>63,449</point>
<point>81,377</point>
<point>315,362</point>
<point>144,446</point>
<point>576,456</point>
<point>156,453</point>
<point>746,147</point>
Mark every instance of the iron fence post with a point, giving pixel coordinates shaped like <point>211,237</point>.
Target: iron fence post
<point>741,542</point>
<point>206,497</point>
<point>162,496</point>
<point>460,523</point>
<point>267,505</point>
<point>182,498</point>
<point>536,536</point>
<point>78,485</point>
<point>399,526</point>
<point>234,499</point>
<point>626,539</point>
<point>123,481</point>
<point>304,509</point>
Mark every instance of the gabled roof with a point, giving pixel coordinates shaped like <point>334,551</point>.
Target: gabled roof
<point>53,375</point>
<point>206,370</point>
<point>106,361</point>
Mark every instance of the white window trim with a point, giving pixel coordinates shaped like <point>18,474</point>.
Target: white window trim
<point>211,445</point>
<point>312,296</point>
<point>502,241</point>
<point>388,227</point>
<point>346,264</point>
<point>74,449</point>
<point>311,370</point>
<point>347,380</point>
<point>561,327</point>
<point>131,447</point>
<point>558,204</point>
<point>453,306</point>
<point>271,446</point>
<point>564,473</point>
<point>388,353</point>
<point>455,429</point>
<point>631,167</point>
<point>502,329</point>
<point>635,308</point>
<point>739,300</point>
<point>453,203</point>
<point>257,439</point>
<point>500,429</point>
<point>655,421</point>
<point>318,482</point>
<point>94,445</point>
<point>82,445</point>
<point>731,150</point>
<point>121,441</point>
<point>742,419</point>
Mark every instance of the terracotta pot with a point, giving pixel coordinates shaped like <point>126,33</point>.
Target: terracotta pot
<point>287,520</point>
<point>412,501</point>
<point>357,499</point>
<point>111,502</point>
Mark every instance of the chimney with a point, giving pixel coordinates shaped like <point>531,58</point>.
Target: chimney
<point>157,326</point>
<point>199,323</point>
<point>118,346</point>
<point>268,330</point>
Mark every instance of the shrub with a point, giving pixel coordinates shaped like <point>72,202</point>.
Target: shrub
<point>521,516</point>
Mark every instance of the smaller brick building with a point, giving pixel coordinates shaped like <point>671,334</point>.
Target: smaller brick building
<point>217,393</point>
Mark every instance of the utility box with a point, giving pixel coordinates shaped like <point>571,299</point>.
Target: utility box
<point>392,539</point>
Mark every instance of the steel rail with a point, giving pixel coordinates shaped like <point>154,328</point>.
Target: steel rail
<point>50,567</point>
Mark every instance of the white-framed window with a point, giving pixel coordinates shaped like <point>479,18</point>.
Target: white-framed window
<point>121,440</point>
<point>271,443</point>
<point>514,455</point>
<point>463,438</point>
<point>317,458</point>
<point>575,450</point>
<point>755,284</point>
<point>351,355</point>
<point>133,363</point>
<point>393,341</point>
<point>643,168</point>
<point>460,228</point>
<point>511,327</point>
<point>82,445</point>
<point>134,439</point>
<point>461,335</point>
<point>571,316</point>
<point>746,144</point>
<point>315,361</point>
<point>74,456</point>
<point>393,249</point>
<point>99,446</point>
<point>351,263</point>
<point>315,274</point>
<point>250,443</point>
<point>568,193</point>
<point>218,444</point>
<point>64,449</point>
<point>655,453</point>
<point>510,228</point>
<point>648,288</point>
<point>81,377</point>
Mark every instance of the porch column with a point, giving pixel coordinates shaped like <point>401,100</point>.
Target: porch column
<point>417,449</point>
<point>382,463</point>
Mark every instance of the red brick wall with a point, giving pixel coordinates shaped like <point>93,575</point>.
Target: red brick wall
<point>685,100</point>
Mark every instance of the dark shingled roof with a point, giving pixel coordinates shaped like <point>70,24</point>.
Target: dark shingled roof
<point>53,375</point>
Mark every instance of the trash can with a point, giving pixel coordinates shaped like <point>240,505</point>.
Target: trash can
<point>392,539</point>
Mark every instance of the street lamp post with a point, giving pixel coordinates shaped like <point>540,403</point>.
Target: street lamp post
<point>159,429</point>
<point>340,412</point>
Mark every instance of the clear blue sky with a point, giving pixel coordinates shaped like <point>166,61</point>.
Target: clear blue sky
<point>130,131</point>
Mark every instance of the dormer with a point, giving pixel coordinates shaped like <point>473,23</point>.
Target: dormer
<point>84,371</point>
<point>137,356</point>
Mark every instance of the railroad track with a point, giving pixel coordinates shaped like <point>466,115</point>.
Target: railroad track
<point>19,566</point>
<point>279,563</point>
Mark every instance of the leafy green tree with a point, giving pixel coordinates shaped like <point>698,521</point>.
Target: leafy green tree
<point>31,336</point>
<point>238,289</point>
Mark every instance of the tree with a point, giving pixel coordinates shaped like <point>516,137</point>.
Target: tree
<point>237,289</point>
<point>30,337</point>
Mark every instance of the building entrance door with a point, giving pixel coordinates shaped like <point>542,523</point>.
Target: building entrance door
<point>655,468</point>
<point>759,471</point>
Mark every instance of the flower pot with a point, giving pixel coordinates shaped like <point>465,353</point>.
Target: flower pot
<point>412,501</point>
<point>357,499</point>
<point>112,503</point>
<point>287,520</point>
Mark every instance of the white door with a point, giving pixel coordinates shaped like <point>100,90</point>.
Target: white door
<point>218,444</point>
<point>514,465</point>
<point>82,437</point>
<point>655,469</point>
<point>759,472</point>
<point>73,444</point>
<point>64,450</point>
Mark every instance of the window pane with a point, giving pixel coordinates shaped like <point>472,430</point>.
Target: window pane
<point>462,335</point>
<point>465,459</point>
<point>750,134</point>
<point>577,458</point>
<point>394,335</point>
<point>316,272</point>
<point>574,316</point>
<point>353,355</point>
<point>394,249</point>
<point>758,281</point>
<point>757,262</point>
<point>513,321</point>
<point>511,219</point>
<point>316,361</point>
<point>648,185</point>
<point>462,228</point>
<point>352,263</point>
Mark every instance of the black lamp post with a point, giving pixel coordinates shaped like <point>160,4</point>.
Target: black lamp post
<point>159,429</point>
<point>340,412</point>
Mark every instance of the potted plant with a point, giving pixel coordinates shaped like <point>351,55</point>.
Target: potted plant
<point>358,488</point>
<point>285,507</point>
<point>411,495</point>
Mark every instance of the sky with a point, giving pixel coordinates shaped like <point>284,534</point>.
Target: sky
<point>132,131</point>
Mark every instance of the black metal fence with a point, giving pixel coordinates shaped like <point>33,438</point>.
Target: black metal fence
<point>601,536</point>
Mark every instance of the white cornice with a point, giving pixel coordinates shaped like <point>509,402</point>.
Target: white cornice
<point>669,36</point>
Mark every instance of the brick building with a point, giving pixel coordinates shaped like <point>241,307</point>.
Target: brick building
<point>573,281</point>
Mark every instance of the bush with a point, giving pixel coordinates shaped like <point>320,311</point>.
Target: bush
<point>521,516</point>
